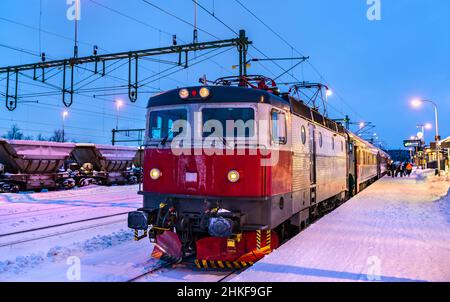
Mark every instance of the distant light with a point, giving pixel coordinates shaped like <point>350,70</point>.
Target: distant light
<point>419,135</point>
<point>119,104</point>
<point>65,113</point>
<point>362,125</point>
<point>428,126</point>
<point>412,137</point>
<point>416,103</point>
<point>329,92</point>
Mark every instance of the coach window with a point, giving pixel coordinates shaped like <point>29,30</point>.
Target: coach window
<point>303,135</point>
<point>320,139</point>
<point>278,127</point>
<point>332,142</point>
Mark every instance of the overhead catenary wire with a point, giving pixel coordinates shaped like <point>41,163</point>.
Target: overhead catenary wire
<point>131,18</point>
<point>236,33</point>
<point>300,53</point>
<point>180,19</point>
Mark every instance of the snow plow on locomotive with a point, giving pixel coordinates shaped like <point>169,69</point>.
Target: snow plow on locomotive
<point>231,171</point>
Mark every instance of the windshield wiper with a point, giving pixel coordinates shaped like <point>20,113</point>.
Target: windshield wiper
<point>164,140</point>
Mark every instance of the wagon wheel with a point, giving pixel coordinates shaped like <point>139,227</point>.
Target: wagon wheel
<point>82,182</point>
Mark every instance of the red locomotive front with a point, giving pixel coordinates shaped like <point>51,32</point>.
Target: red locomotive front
<point>217,173</point>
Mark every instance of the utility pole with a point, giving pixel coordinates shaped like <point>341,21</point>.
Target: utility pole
<point>77,16</point>
<point>195,41</point>
<point>64,115</point>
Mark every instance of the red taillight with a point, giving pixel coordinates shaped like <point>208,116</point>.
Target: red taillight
<point>194,93</point>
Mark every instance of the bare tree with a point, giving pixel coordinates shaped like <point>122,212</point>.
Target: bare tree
<point>15,133</point>
<point>40,137</point>
<point>57,136</point>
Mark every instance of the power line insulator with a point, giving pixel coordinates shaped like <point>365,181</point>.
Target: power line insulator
<point>43,58</point>
<point>95,52</point>
<point>174,40</point>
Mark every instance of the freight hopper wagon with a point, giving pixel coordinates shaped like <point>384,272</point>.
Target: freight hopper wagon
<point>33,165</point>
<point>103,164</point>
<point>138,165</point>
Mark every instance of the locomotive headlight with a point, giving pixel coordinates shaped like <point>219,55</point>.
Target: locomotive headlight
<point>184,93</point>
<point>155,174</point>
<point>233,176</point>
<point>204,92</point>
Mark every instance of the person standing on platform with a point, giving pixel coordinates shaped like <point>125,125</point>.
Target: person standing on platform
<point>409,168</point>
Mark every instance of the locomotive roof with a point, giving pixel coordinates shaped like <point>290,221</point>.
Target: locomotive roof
<point>219,94</point>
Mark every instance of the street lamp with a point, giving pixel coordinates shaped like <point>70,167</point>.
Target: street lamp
<point>119,104</point>
<point>418,103</point>
<point>64,116</point>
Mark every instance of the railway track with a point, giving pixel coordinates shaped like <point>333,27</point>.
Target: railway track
<point>185,270</point>
<point>61,224</point>
<point>9,244</point>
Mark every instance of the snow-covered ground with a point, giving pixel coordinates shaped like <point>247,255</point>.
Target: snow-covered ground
<point>44,235</point>
<point>396,230</point>
<point>79,235</point>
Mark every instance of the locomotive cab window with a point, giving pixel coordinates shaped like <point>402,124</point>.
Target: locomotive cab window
<point>235,122</point>
<point>278,127</point>
<point>162,122</point>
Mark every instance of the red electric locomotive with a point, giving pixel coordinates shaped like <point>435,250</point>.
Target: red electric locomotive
<point>231,170</point>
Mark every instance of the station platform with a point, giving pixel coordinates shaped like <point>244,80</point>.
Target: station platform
<point>397,230</point>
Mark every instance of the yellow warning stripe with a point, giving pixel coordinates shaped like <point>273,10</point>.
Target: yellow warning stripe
<point>205,264</point>
<point>258,239</point>
<point>137,237</point>
<point>268,237</point>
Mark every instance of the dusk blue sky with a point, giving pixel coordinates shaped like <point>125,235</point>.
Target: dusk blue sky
<point>375,67</point>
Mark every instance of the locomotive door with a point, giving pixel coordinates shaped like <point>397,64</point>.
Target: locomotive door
<point>312,162</point>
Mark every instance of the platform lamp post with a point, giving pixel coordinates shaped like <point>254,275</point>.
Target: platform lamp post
<point>419,102</point>
<point>119,104</point>
<point>64,116</point>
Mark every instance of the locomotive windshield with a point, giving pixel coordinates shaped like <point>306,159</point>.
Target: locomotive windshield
<point>236,122</point>
<point>161,123</point>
